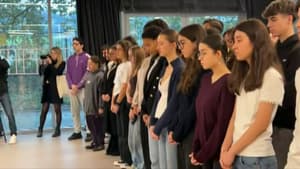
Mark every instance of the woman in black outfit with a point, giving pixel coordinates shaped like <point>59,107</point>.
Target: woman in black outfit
<point>110,118</point>
<point>54,66</point>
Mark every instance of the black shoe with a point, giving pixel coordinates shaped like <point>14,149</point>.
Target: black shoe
<point>56,133</point>
<point>40,133</point>
<point>98,148</point>
<point>88,137</point>
<point>89,147</point>
<point>75,136</point>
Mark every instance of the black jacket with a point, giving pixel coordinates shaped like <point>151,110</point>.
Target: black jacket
<point>151,84</point>
<point>289,54</point>
<point>108,80</point>
<point>3,76</point>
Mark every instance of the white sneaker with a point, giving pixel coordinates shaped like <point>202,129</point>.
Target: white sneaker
<point>118,163</point>
<point>125,166</point>
<point>13,139</point>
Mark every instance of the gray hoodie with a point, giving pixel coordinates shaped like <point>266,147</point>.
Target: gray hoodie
<point>92,82</point>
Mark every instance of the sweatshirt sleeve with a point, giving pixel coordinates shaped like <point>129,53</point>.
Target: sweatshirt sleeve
<point>196,141</point>
<point>82,81</point>
<point>212,146</point>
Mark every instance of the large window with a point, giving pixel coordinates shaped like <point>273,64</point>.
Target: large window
<point>133,23</point>
<point>28,28</point>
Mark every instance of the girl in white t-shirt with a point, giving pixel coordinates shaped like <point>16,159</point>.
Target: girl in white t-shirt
<point>118,102</point>
<point>258,83</point>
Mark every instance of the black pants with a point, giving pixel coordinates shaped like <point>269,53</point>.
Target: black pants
<point>214,164</point>
<point>145,145</point>
<point>184,149</point>
<point>113,146</point>
<point>122,128</point>
<point>95,124</point>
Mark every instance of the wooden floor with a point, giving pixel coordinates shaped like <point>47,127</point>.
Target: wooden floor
<point>48,152</point>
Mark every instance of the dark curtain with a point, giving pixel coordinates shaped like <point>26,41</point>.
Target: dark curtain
<point>255,8</point>
<point>187,6</point>
<point>98,23</point>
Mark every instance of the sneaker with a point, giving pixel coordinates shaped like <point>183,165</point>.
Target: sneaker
<point>88,137</point>
<point>118,163</point>
<point>98,148</point>
<point>75,136</point>
<point>13,139</point>
<point>125,166</point>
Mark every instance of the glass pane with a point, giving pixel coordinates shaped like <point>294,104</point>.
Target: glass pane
<point>24,37</point>
<point>228,21</point>
<point>23,25</point>
<point>136,24</point>
<point>64,24</point>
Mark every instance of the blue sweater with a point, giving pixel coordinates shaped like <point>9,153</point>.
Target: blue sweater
<point>182,111</point>
<point>184,116</point>
<point>178,66</point>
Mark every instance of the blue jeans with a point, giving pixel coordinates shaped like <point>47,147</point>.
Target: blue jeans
<point>242,162</point>
<point>153,151</point>
<point>6,103</point>
<point>135,143</point>
<point>162,154</point>
<point>167,151</point>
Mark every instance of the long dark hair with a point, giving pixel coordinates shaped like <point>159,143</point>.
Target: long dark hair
<point>125,44</point>
<point>263,57</point>
<point>195,33</point>
<point>216,43</point>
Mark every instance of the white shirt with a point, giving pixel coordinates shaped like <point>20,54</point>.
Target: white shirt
<point>152,67</point>
<point>272,91</point>
<point>139,90</point>
<point>293,160</point>
<point>122,76</point>
<point>110,66</point>
<point>163,87</point>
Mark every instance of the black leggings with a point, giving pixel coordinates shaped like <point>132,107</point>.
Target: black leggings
<point>44,112</point>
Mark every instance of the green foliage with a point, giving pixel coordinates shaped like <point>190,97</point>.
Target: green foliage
<point>136,23</point>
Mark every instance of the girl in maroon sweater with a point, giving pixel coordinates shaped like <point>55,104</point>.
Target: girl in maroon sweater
<point>214,104</point>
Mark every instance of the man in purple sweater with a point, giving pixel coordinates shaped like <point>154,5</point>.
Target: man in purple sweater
<point>76,68</point>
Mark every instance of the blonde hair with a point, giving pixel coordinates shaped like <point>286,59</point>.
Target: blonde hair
<point>139,55</point>
<point>59,59</point>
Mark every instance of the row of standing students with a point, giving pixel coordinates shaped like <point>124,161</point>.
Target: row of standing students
<point>170,111</point>
<point>228,131</point>
<point>188,107</point>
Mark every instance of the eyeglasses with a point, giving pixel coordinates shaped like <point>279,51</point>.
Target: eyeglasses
<point>74,43</point>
